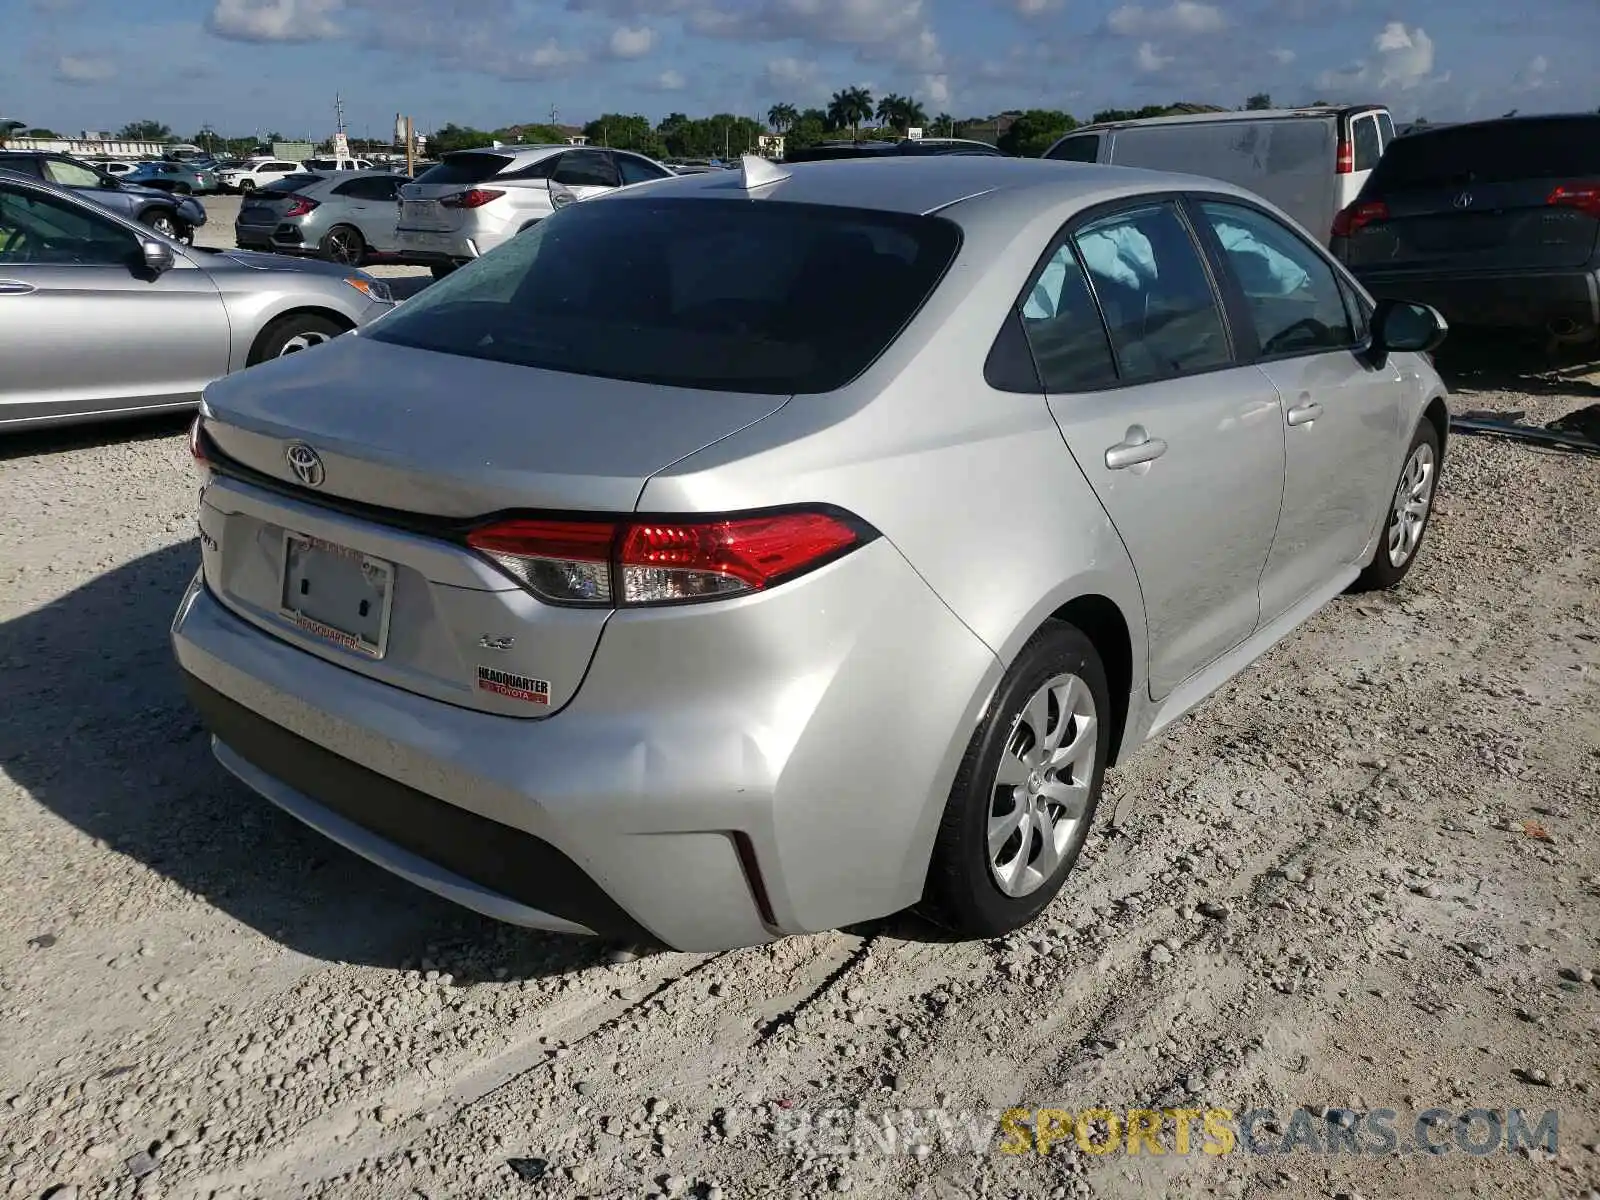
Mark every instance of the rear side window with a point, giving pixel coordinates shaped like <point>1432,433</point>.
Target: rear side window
<point>1154,291</point>
<point>468,166</point>
<point>369,189</point>
<point>1085,149</point>
<point>1367,147</point>
<point>22,164</point>
<point>1493,152</point>
<point>722,295</point>
<point>1063,327</point>
<point>1386,127</point>
<point>290,183</point>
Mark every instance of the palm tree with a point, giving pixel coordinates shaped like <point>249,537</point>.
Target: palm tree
<point>783,116</point>
<point>890,108</point>
<point>849,107</point>
<point>945,122</point>
<point>912,113</point>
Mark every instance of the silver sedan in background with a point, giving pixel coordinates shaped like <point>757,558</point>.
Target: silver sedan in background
<point>101,316</point>
<point>341,216</point>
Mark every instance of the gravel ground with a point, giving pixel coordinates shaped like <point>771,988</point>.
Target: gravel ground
<point>1362,877</point>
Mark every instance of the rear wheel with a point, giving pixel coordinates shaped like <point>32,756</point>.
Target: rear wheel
<point>1024,798</point>
<point>181,189</point>
<point>344,244</point>
<point>1410,509</point>
<point>247,185</point>
<point>292,334</point>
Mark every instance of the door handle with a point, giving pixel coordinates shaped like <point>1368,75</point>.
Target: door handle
<point>13,287</point>
<point>1134,449</point>
<point>1305,412</point>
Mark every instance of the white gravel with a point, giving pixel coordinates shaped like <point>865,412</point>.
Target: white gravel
<point>1364,876</point>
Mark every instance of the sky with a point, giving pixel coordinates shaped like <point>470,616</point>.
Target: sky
<point>250,66</point>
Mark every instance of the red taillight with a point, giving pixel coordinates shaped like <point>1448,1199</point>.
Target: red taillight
<point>1358,216</point>
<point>471,198</point>
<point>301,206</point>
<point>633,562</point>
<point>1345,163</point>
<point>1585,197</point>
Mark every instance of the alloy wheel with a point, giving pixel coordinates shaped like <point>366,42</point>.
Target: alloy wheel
<point>1412,499</point>
<point>303,341</point>
<point>165,226</point>
<point>344,246</point>
<point>1041,789</point>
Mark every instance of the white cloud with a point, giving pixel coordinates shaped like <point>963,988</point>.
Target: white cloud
<point>632,43</point>
<point>85,69</point>
<point>1181,17</point>
<point>1402,58</point>
<point>1035,8</point>
<point>790,73</point>
<point>670,81</point>
<point>935,90</point>
<point>1405,56</point>
<point>275,20</point>
<point>547,57</point>
<point>1149,59</point>
<point>1283,57</point>
<point>1534,76</point>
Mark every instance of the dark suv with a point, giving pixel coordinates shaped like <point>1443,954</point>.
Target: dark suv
<point>1493,223</point>
<point>176,216</point>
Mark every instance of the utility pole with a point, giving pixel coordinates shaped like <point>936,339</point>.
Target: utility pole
<point>411,147</point>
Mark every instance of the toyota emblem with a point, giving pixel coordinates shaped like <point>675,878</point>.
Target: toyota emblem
<point>306,464</point>
<point>1464,200</point>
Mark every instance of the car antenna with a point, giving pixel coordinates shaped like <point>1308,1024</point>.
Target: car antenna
<point>755,171</point>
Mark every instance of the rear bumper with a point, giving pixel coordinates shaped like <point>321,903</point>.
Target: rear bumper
<point>1525,300</point>
<point>791,752</point>
<point>431,247</point>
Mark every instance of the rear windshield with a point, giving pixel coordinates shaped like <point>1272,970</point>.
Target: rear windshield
<point>1501,152</point>
<point>290,183</point>
<point>723,295</point>
<point>466,167</point>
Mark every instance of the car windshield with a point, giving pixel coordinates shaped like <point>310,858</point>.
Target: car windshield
<point>721,295</point>
<point>465,167</point>
<point>1497,152</point>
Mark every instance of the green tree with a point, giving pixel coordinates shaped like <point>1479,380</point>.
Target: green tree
<point>1034,131</point>
<point>534,134</point>
<point>944,125</point>
<point>145,131</point>
<point>808,129</point>
<point>623,131</point>
<point>848,108</point>
<point>38,133</point>
<point>451,137</point>
<point>1258,102</point>
<point>783,116</point>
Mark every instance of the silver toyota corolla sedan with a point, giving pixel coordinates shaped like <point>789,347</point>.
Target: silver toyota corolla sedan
<point>103,317</point>
<point>756,553</point>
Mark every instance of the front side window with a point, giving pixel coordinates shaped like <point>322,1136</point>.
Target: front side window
<point>1291,291</point>
<point>1063,327</point>
<point>586,168</point>
<point>1157,298</point>
<point>70,174</point>
<point>723,295</point>
<point>47,231</point>
<point>636,170</point>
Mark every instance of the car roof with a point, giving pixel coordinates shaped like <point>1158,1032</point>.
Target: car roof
<point>925,185</point>
<point>1578,118</point>
<point>1249,114</point>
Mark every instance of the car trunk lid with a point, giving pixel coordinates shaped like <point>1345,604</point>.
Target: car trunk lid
<point>420,206</point>
<point>1510,195</point>
<point>413,448</point>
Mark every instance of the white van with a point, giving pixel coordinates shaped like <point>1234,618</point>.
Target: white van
<point>1310,162</point>
<point>337,164</point>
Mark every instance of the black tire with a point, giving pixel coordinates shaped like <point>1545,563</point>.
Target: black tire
<point>247,185</point>
<point>440,270</point>
<point>962,892</point>
<point>290,334</point>
<point>343,244</point>
<point>181,189</point>
<point>1382,571</point>
<point>163,222</point>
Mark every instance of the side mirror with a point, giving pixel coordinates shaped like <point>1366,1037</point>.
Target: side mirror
<point>158,257</point>
<point>1400,325</point>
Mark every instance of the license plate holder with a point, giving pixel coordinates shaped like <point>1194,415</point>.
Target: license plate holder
<point>337,594</point>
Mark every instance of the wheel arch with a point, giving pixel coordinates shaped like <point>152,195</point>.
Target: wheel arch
<point>304,310</point>
<point>1438,414</point>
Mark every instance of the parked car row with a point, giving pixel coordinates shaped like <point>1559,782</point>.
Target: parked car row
<point>171,214</point>
<point>1494,223</point>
